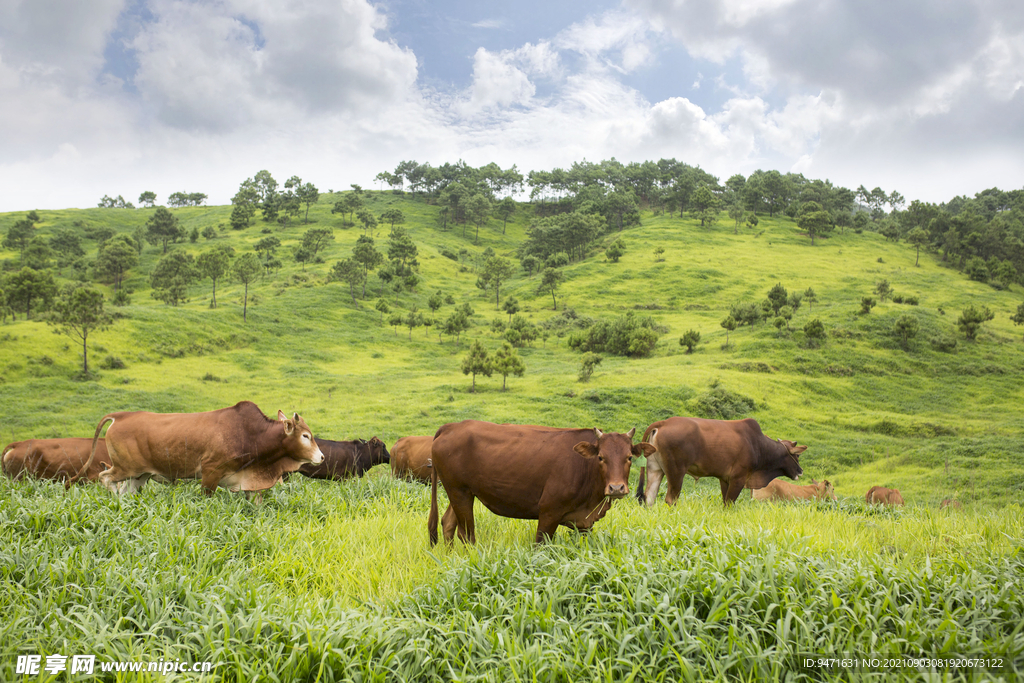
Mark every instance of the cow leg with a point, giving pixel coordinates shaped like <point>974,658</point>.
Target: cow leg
<point>731,490</point>
<point>672,490</point>
<point>546,527</point>
<point>448,524</point>
<point>461,503</point>
<point>654,476</point>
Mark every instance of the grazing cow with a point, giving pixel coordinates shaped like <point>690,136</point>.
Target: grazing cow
<point>556,476</point>
<point>56,459</point>
<point>951,504</point>
<point>878,495</point>
<point>783,490</point>
<point>238,448</point>
<point>410,458</point>
<point>344,459</point>
<point>735,452</point>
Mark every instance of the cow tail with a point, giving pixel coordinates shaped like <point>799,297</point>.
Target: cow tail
<point>641,486</point>
<point>92,453</point>
<point>432,519</point>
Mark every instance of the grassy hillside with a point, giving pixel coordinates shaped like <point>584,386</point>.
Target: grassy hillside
<point>931,423</point>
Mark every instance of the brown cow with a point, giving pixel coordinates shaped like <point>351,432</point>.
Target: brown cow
<point>878,495</point>
<point>556,476</point>
<point>783,490</point>
<point>735,452</point>
<point>238,448</point>
<point>56,459</point>
<point>344,459</point>
<point>951,504</point>
<point>410,458</point>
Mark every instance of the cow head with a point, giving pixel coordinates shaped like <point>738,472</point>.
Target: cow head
<point>614,452</point>
<point>298,439</point>
<point>378,451</point>
<point>791,464</point>
<point>826,490</point>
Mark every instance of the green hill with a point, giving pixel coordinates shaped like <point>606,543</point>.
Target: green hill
<point>935,424</point>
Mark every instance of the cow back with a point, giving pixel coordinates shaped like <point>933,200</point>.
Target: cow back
<point>54,459</point>
<point>410,458</point>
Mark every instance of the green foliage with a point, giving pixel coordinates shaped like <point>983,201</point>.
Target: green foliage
<point>350,272</point>
<point>78,312</point>
<point>884,290</point>
<point>814,330</point>
<point>943,342</point>
<point>246,269</point>
<point>1018,317</point>
<point>172,277</point>
<point>718,403</point>
<point>550,280</point>
<point>972,318</point>
<point>116,257</point>
<point>477,362</point>
<point>162,228</point>
<point>690,339</point>
<point>506,361</point>
<point>27,289</point>
<point>214,265</point>
<point>628,335</point>
<point>588,362</point>
<point>866,304</point>
<point>906,328</point>
<point>976,269</point>
<point>496,271</point>
<point>778,297</point>
<point>615,251</point>
<point>729,324</point>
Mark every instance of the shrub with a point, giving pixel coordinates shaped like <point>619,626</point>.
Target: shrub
<point>976,269</point>
<point>866,304</point>
<point>628,335</point>
<point>718,403</point>
<point>943,343</point>
<point>112,363</point>
<point>815,332</point>
<point>690,339</point>
<point>911,300</point>
<point>587,365</point>
<point>905,328</point>
<point>971,319</point>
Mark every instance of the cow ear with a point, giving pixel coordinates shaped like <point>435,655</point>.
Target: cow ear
<point>281,415</point>
<point>586,449</point>
<point>631,432</point>
<point>642,448</point>
<point>289,427</point>
<point>797,450</point>
<point>295,416</point>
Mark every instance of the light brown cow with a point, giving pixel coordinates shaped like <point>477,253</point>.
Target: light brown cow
<point>951,504</point>
<point>878,495</point>
<point>565,477</point>
<point>56,459</point>
<point>783,490</point>
<point>410,458</point>
<point>238,448</point>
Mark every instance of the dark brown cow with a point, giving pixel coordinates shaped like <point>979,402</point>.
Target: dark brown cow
<point>783,490</point>
<point>735,452</point>
<point>951,504</point>
<point>238,448</point>
<point>878,495</point>
<point>410,458</point>
<point>56,459</point>
<point>556,476</point>
<point>344,459</point>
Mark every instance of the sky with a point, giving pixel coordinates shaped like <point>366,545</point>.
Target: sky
<point>117,97</point>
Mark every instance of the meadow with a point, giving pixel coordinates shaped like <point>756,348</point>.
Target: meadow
<point>328,581</point>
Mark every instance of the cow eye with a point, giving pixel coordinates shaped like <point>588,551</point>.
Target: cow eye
<point>306,437</point>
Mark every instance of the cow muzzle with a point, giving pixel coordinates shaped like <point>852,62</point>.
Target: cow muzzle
<point>616,490</point>
<point>318,457</point>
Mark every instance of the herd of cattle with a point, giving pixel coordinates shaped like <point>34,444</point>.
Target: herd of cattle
<point>559,477</point>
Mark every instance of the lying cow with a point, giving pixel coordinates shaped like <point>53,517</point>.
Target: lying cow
<point>344,459</point>
<point>878,495</point>
<point>735,452</point>
<point>410,458</point>
<point>951,504</point>
<point>238,448</point>
<point>783,490</point>
<point>56,459</point>
<point>563,477</point>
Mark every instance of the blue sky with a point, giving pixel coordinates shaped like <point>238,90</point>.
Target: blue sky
<point>121,96</point>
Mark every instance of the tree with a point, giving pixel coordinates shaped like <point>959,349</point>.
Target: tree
<point>308,195</point>
<point>351,273</point>
<point>918,237</point>
<point>303,255</point>
<point>395,321</point>
<point>393,216</point>
<point>971,319</point>
<point>690,339</point>
<point>550,279</point>
<point>866,304</point>
<point>477,363</point>
<point>511,307</point>
<point>67,245</point>
<point>496,271</point>
<point>435,301</point>
<point>506,207</point>
<point>316,239</point>
<point>456,324</point>
<point>116,257</point>
<point>28,286</point>
<point>37,254</point>
<point>751,220</point>
<point>814,220</point>
<point>729,324</point>
<point>383,307</point>
<point>162,227</point>
<point>615,251</point>
<point>883,289</point>
<point>976,269</point>
<point>368,220</point>
<point>814,330</point>
<point>906,327</point>
<point>246,269</point>
<point>245,201</point>
<point>367,256</point>
<point>172,276</point>
<point>412,320</point>
<point>402,248</point>
<point>147,199</point>
<point>266,248</point>
<point>778,297</point>
<point>507,362</point>
<point>1018,317</point>
<point>811,297</point>
<point>478,208</point>
<point>214,265</point>
<point>659,253</point>
<point>704,206</point>
<point>736,213</point>
<point>78,312</point>
<point>19,235</point>
<point>209,232</point>
<point>529,263</point>
<point>193,235</point>
<point>588,362</point>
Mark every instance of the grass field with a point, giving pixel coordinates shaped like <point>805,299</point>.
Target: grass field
<point>336,581</point>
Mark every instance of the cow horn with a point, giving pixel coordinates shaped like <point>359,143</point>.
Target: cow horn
<point>295,416</point>
<point>631,432</point>
<point>598,432</point>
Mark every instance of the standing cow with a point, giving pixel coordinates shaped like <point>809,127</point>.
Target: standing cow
<point>879,495</point>
<point>56,459</point>
<point>238,448</point>
<point>344,459</point>
<point>410,458</point>
<point>557,476</point>
<point>735,452</point>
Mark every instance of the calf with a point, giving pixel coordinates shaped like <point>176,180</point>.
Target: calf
<point>56,459</point>
<point>344,459</point>
<point>783,490</point>
<point>878,495</point>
